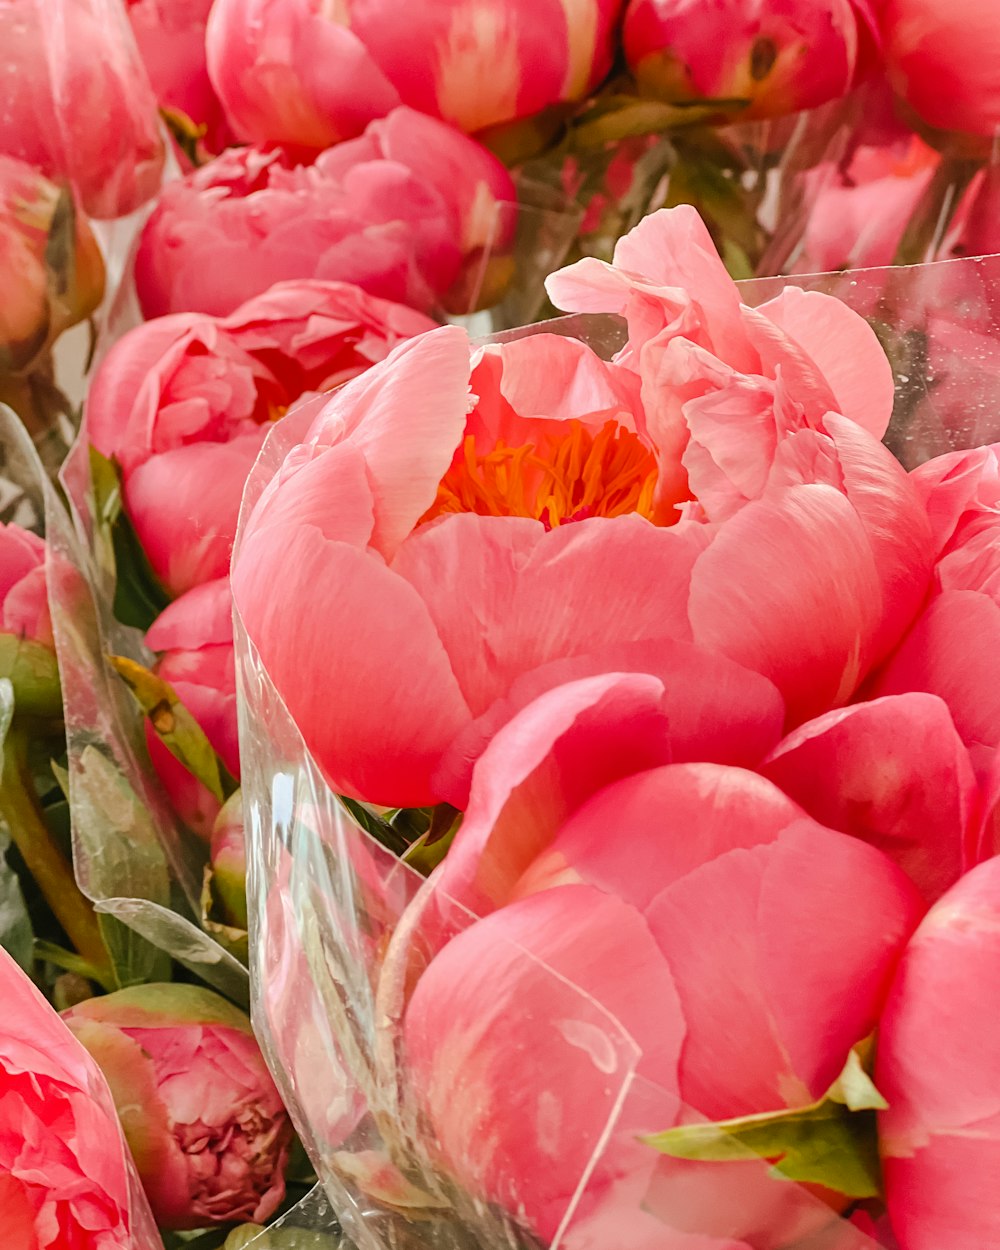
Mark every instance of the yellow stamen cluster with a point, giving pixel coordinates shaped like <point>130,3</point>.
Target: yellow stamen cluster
<point>574,474</point>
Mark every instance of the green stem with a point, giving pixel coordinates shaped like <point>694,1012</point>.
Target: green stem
<point>42,856</point>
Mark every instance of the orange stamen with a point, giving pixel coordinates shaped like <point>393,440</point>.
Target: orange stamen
<point>574,475</point>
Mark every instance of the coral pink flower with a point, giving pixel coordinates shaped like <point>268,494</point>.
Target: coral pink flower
<point>292,71</point>
<point>76,102</point>
<point>944,59</point>
<point>550,493</point>
<point>741,946</point>
<point>938,1065</point>
<point>171,39</point>
<point>194,636</point>
<point>758,59</point>
<point>64,1179</point>
<point>201,1115</point>
<point>398,212</point>
<point>183,404</point>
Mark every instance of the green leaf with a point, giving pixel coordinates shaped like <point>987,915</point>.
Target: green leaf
<point>70,961</point>
<point>139,596</point>
<point>176,728</point>
<point>33,674</point>
<point>832,1142</point>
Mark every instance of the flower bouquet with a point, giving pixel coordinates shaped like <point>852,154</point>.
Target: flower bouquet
<point>614,776</point>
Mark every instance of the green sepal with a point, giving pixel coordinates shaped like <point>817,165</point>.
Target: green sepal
<point>832,1142</point>
<point>33,673</point>
<point>176,728</point>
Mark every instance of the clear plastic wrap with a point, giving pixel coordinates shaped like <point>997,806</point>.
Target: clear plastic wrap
<point>140,870</point>
<point>341,928</point>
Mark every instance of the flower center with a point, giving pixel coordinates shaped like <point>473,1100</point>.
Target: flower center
<point>574,475</point>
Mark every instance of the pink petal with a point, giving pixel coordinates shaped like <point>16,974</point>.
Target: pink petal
<point>518,1069</point>
<point>519,597</point>
<point>407,416</point>
<point>394,705</point>
<point>539,768</point>
<point>892,772</point>
<point>199,618</point>
<point>845,350</point>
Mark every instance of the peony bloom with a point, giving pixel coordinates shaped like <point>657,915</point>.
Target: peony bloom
<point>758,59</point>
<point>289,71</point>
<point>27,656</point>
<point>76,102</point>
<point>183,404</point>
<point>724,451</point>
<point>229,861</point>
<point>397,212</point>
<point>194,636</point>
<point>50,266</point>
<point>938,1065</point>
<point>64,1178</point>
<point>200,1112</point>
<point>740,946</point>
<point>944,60</point>
<point>171,38</point>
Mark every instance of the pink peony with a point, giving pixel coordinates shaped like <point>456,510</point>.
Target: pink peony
<point>184,403</point>
<point>758,59</point>
<point>741,947</point>
<point>171,39</point>
<point>64,1179</point>
<point>229,861</point>
<point>24,601</point>
<point>50,266</point>
<point>194,636</point>
<point>308,74</point>
<point>944,59</point>
<point>938,1065</point>
<point>398,212</point>
<point>541,484</point>
<point>200,1112</point>
<point>76,102</point>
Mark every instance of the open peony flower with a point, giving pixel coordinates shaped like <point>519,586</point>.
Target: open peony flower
<point>757,58</point>
<point>938,1065</point>
<point>438,535</point>
<point>194,636</point>
<point>200,1112</point>
<point>691,911</point>
<point>183,404</point>
<point>64,1179</point>
<point>292,71</point>
<point>398,211</point>
<point>76,102</point>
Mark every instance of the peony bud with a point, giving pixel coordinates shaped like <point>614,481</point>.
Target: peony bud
<point>758,59</point>
<point>944,59</point>
<point>201,1114</point>
<point>51,270</point>
<point>229,861</point>
<point>76,102</point>
<point>27,658</point>
<point>310,75</point>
